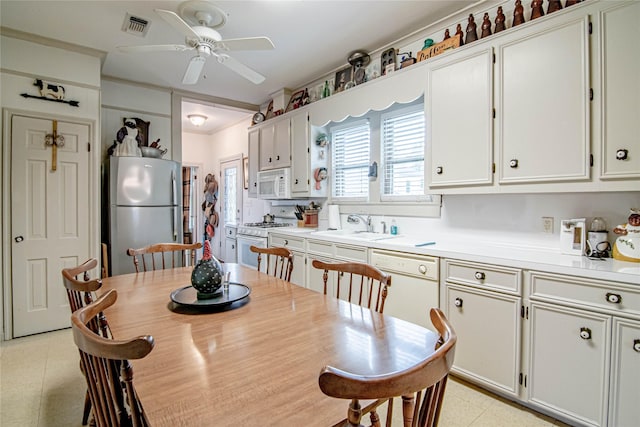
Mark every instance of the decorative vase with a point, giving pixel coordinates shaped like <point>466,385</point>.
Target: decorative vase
<point>206,277</point>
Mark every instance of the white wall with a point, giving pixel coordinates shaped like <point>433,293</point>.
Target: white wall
<point>22,62</point>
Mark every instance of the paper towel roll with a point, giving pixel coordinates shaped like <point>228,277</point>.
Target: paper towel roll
<point>334,217</point>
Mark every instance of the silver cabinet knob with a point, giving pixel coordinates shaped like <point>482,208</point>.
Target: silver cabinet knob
<point>286,242</point>
<point>457,302</point>
<point>479,275</point>
<point>513,163</point>
<point>422,269</point>
<point>439,170</point>
<point>585,333</point>
<point>19,239</point>
<point>614,298</point>
<point>622,154</point>
<point>636,345</point>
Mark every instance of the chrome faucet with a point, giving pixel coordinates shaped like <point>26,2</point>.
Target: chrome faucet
<point>355,219</point>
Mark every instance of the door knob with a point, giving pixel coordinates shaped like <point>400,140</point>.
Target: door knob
<point>622,154</point>
<point>439,170</point>
<point>19,239</point>
<point>585,333</point>
<point>457,302</point>
<point>513,163</point>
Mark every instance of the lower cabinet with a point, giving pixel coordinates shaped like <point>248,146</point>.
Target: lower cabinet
<point>584,349</point>
<point>298,272</point>
<point>569,362</point>
<point>624,409</point>
<point>488,328</point>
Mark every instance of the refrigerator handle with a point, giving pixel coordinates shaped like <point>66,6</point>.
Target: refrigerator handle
<point>174,202</point>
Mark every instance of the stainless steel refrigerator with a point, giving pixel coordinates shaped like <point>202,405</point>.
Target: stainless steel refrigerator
<point>145,206</point>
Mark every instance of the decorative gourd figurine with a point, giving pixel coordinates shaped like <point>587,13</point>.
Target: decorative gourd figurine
<point>536,9</point>
<point>500,18</point>
<point>459,34</point>
<point>518,14</point>
<point>472,34</point>
<point>206,277</point>
<point>486,26</point>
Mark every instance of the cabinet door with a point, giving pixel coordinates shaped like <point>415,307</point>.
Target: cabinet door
<point>488,329</point>
<point>282,144</point>
<point>314,276</point>
<point>569,362</point>
<point>300,154</point>
<point>267,146</point>
<point>620,89</point>
<point>542,97</point>
<point>298,272</point>
<point>230,254</point>
<point>254,162</point>
<point>459,112</point>
<point>624,407</point>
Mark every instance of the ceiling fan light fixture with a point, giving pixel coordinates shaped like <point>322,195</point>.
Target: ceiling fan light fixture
<point>197,119</point>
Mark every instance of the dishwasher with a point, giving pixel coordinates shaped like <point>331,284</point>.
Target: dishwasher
<point>414,284</point>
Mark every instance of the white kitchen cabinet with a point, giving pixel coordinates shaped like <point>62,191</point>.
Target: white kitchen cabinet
<point>230,251</point>
<point>620,90</point>
<point>542,103</point>
<point>297,246</point>
<point>569,362</point>
<point>330,252</point>
<point>583,335</point>
<point>275,144</point>
<point>483,302</point>
<point>624,409</point>
<point>459,109</point>
<point>254,161</point>
<point>300,152</point>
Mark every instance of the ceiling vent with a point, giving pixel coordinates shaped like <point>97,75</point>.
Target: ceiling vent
<point>134,25</point>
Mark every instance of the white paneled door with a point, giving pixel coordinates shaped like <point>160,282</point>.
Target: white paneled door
<point>49,219</point>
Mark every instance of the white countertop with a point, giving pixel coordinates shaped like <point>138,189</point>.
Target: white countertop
<point>509,250</point>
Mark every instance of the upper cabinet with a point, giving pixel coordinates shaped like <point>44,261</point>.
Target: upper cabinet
<point>459,90</point>
<point>542,103</point>
<point>275,144</point>
<point>620,90</point>
<point>254,159</point>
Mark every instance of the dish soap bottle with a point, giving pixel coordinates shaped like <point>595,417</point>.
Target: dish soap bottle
<point>394,227</point>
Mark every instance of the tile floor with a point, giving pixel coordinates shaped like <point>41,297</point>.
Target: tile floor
<point>41,386</point>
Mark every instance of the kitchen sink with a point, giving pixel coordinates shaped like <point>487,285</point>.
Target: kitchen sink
<point>359,235</point>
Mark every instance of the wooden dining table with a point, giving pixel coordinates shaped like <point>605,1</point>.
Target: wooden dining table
<point>255,362</point>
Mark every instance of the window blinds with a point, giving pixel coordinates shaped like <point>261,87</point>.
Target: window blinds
<point>403,153</point>
<point>351,160</point>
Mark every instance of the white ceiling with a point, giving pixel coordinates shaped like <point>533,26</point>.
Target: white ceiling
<point>311,38</point>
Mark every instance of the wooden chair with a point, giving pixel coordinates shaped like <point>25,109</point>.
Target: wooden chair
<point>279,261</point>
<point>162,251</point>
<point>107,369</point>
<point>367,286</point>
<point>423,384</point>
<point>80,294</point>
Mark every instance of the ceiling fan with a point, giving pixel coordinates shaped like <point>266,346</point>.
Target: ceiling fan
<point>203,38</point>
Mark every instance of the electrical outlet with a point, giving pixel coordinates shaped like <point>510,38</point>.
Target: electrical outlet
<point>547,224</point>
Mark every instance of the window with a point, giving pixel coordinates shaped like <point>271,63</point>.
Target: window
<point>351,160</point>
<point>402,135</point>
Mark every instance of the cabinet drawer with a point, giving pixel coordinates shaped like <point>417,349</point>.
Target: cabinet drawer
<point>351,253</point>
<point>483,276</point>
<point>230,232</point>
<point>609,296</point>
<point>288,242</point>
<point>320,247</point>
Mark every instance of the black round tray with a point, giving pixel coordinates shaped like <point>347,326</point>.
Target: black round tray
<point>188,296</point>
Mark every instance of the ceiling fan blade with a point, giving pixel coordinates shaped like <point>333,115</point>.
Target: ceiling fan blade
<point>194,69</point>
<point>241,69</point>
<point>153,48</point>
<point>178,23</point>
<point>246,43</point>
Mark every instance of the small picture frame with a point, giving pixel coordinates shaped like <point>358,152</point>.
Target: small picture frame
<point>343,77</point>
<point>245,172</point>
<point>295,101</point>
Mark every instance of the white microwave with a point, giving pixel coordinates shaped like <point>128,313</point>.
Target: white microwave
<point>274,184</point>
